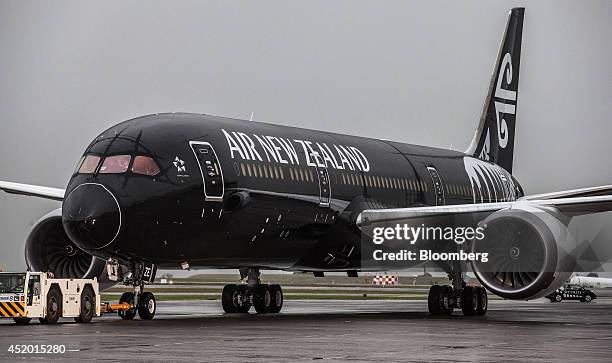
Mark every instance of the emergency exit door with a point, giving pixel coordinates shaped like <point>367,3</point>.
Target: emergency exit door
<point>210,168</point>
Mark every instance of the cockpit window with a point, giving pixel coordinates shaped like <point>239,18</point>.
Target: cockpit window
<point>145,165</point>
<point>115,164</point>
<point>89,164</point>
<point>76,170</point>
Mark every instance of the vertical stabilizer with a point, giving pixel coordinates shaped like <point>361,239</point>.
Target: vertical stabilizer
<point>494,138</point>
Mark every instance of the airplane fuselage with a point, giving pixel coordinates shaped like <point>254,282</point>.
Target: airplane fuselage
<point>233,193</point>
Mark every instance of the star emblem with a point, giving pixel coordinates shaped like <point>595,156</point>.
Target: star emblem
<point>179,165</point>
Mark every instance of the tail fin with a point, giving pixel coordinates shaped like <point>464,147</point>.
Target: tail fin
<point>494,137</point>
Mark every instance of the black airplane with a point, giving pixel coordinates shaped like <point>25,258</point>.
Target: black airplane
<point>199,191</point>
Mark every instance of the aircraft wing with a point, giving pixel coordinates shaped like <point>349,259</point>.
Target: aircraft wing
<point>569,206</point>
<point>33,190</point>
<point>573,193</point>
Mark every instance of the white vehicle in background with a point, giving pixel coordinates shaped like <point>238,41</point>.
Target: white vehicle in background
<point>591,282</point>
<point>28,295</point>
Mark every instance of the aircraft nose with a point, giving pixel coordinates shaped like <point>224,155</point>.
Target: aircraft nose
<point>91,216</point>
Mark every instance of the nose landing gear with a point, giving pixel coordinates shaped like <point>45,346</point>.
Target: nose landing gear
<point>263,297</point>
<point>141,302</point>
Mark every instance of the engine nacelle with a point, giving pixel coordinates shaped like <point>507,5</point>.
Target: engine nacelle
<point>531,253</point>
<point>49,249</point>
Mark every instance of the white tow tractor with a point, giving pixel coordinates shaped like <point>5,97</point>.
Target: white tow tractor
<point>28,295</point>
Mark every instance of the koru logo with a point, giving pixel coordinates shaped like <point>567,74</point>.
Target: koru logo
<point>486,148</point>
<point>504,96</point>
<point>179,165</point>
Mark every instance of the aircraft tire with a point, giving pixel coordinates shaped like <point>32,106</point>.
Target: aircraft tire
<point>277,299</point>
<point>229,298</point>
<point>447,301</point>
<point>127,297</point>
<point>483,301</point>
<point>433,300</point>
<point>146,306</point>
<point>469,305</point>
<point>262,299</point>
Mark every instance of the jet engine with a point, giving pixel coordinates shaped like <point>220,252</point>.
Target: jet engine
<point>531,253</point>
<point>48,248</point>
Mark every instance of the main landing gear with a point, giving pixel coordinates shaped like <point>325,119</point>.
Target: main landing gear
<point>472,300</point>
<point>263,297</point>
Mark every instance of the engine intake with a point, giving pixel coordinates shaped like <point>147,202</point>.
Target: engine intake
<point>48,248</point>
<point>530,253</point>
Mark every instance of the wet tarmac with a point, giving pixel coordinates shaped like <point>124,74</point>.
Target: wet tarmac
<point>332,330</point>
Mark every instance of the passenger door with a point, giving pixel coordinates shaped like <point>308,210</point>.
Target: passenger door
<point>324,187</point>
<point>210,168</point>
<point>438,188</point>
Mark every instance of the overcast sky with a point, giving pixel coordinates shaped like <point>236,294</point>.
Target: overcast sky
<point>402,70</point>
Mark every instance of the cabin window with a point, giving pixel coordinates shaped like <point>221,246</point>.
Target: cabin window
<point>90,164</point>
<point>144,165</point>
<point>115,164</point>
